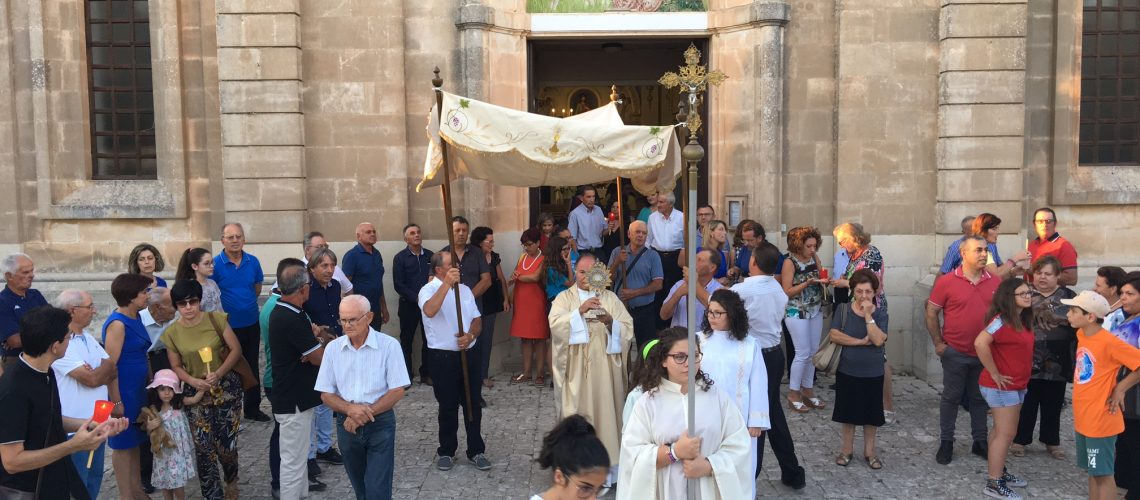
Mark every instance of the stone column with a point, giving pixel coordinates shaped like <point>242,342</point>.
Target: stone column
<point>259,73</point>
<point>768,53</point>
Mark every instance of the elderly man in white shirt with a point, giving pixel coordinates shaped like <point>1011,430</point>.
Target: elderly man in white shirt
<point>765,300</point>
<point>666,236</point>
<point>82,377</point>
<point>445,343</point>
<point>362,377</point>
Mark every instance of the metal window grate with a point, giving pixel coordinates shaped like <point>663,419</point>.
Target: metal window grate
<point>1110,77</point>
<point>120,90</point>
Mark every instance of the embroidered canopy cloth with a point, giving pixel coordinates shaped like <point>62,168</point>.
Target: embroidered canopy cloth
<point>516,148</point>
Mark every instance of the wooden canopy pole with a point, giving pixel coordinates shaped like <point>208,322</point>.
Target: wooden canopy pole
<point>621,200</point>
<point>437,85</point>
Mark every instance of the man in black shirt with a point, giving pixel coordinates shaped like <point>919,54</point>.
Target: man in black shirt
<point>411,271</point>
<point>34,449</point>
<point>296,354</point>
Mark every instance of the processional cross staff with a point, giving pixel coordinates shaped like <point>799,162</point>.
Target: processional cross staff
<point>693,78</point>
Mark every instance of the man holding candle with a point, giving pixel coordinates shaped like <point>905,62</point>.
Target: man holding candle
<point>82,375</point>
<point>33,437</point>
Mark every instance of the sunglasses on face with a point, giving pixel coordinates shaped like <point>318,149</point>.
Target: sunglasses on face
<point>187,303</point>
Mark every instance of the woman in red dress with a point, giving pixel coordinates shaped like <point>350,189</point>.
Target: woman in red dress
<point>529,323</point>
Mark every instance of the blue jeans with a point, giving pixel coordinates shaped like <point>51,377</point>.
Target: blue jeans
<point>321,438</point>
<point>92,478</point>
<point>369,455</point>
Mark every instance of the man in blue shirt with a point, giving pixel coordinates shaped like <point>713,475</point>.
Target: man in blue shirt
<point>411,270</point>
<point>239,277</point>
<point>364,267</point>
<point>642,279</point>
<point>17,298</point>
<point>953,256</point>
<point>587,224</point>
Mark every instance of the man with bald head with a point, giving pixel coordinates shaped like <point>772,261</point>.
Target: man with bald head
<point>591,334</point>
<point>364,267</point>
<point>239,277</point>
<point>17,298</point>
<point>637,276</point>
<point>675,308</point>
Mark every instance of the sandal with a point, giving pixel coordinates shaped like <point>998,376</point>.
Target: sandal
<point>874,462</point>
<point>520,378</point>
<point>1055,452</point>
<point>842,460</point>
<point>539,381</point>
<point>815,402</point>
<point>1017,450</point>
<point>798,406</point>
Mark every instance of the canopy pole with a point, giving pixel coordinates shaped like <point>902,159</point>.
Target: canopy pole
<point>620,199</point>
<point>437,85</point>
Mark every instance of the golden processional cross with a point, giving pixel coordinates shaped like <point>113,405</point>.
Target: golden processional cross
<point>693,79</point>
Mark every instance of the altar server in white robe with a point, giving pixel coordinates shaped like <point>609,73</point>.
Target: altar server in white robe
<point>590,355</point>
<point>735,364</point>
<point>658,454</point>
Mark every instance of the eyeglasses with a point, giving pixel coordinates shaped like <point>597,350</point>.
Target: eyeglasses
<point>187,303</point>
<point>585,490</point>
<point>715,314</point>
<point>1026,294</point>
<point>682,357</point>
<point>89,307</point>
<point>1044,221</point>
<point>351,322</point>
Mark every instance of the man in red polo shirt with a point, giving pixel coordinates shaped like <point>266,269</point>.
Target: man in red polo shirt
<point>963,297</point>
<point>1050,242</point>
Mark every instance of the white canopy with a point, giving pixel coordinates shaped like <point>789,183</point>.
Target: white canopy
<point>516,148</point>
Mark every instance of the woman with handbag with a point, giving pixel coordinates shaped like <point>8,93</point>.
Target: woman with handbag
<point>126,342</point>
<point>860,328</point>
<point>214,421</point>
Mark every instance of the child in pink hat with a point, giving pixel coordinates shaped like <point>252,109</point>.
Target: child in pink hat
<point>173,465</point>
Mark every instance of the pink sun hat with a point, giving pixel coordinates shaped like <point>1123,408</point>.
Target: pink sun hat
<point>166,378</point>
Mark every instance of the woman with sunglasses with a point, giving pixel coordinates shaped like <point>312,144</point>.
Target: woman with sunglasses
<point>213,421</point>
<point>734,362</point>
<point>657,453</point>
<point>126,341</point>
<point>1005,348</point>
<point>578,458</point>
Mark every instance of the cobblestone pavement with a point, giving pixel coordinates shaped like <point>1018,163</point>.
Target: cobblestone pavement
<point>519,415</point>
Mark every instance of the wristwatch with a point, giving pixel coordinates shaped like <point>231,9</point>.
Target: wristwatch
<point>870,321</point>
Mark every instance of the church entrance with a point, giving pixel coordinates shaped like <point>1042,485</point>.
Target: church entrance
<point>572,76</point>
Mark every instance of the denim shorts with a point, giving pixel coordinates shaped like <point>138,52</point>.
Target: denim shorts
<point>998,398</point>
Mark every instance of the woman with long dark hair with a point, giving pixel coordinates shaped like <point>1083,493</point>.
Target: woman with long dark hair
<point>578,459</point>
<point>657,453</point>
<point>197,264</point>
<point>734,362</point>
<point>1005,348</point>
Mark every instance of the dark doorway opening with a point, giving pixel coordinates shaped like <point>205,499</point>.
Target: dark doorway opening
<point>570,76</point>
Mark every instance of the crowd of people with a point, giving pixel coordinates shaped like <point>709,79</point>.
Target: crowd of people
<point>168,379</point>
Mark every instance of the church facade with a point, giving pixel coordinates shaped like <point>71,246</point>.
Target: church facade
<point>129,121</point>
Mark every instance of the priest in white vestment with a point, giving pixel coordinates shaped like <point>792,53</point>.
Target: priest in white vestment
<point>591,334</point>
<point>734,362</point>
<point>657,454</point>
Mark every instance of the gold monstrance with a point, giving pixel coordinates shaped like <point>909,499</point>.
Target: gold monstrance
<point>598,279</point>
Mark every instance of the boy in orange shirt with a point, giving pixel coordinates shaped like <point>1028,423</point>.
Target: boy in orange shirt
<point>1097,396</point>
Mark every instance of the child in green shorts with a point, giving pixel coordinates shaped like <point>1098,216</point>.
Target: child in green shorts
<point>1097,396</point>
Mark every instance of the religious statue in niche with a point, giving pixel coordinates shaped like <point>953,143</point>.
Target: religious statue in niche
<point>583,100</point>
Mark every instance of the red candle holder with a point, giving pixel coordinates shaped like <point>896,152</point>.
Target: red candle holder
<point>101,414</point>
<point>823,273</point>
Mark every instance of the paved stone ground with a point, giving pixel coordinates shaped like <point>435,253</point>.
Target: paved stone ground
<point>519,415</point>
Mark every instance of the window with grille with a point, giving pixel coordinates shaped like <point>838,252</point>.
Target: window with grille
<point>120,89</point>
